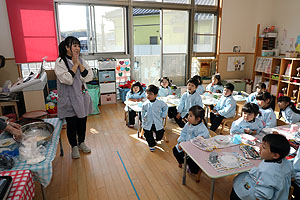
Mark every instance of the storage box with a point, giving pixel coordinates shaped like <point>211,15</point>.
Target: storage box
<point>107,64</point>
<point>105,76</point>
<point>267,53</point>
<point>271,34</point>
<point>107,88</point>
<point>108,99</point>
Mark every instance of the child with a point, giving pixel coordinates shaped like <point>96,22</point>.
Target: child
<point>153,112</point>
<point>260,87</point>
<point>187,100</point>
<point>288,110</point>
<point>200,88</point>
<point>216,85</point>
<point>165,87</point>
<point>248,123</point>
<point>225,107</point>
<point>272,178</point>
<point>266,103</point>
<point>195,127</point>
<point>135,94</point>
<point>296,183</point>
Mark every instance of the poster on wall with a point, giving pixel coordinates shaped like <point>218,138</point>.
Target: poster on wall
<point>236,63</point>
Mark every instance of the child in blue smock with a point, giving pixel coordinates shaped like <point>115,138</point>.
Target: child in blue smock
<point>266,103</point>
<point>200,88</point>
<point>187,100</point>
<point>216,85</point>
<point>288,110</point>
<point>153,113</point>
<point>164,91</point>
<point>260,87</point>
<point>248,123</point>
<point>135,94</point>
<point>195,127</point>
<point>225,107</point>
<point>272,178</point>
<point>296,175</point>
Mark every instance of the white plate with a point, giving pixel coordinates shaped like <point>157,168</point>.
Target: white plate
<point>222,139</point>
<point>6,142</point>
<point>229,161</point>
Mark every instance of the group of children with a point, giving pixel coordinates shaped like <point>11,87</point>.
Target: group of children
<point>262,182</point>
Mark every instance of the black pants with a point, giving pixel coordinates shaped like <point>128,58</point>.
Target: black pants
<point>131,115</point>
<point>194,168</point>
<point>172,112</point>
<point>76,127</point>
<point>149,135</point>
<point>181,121</point>
<point>215,121</point>
<point>234,196</point>
<point>296,192</point>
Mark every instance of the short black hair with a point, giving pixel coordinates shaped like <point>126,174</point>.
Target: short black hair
<point>152,88</point>
<point>261,85</point>
<point>229,86</point>
<point>197,77</point>
<point>218,77</point>
<point>193,81</point>
<point>278,144</point>
<point>198,111</point>
<point>264,96</point>
<point>166,78</point>
<point>251,108</point>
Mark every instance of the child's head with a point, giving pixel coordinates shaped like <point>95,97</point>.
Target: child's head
<point>196,114</point>
<point>192,85</point>
<point>265,100</point>
<point>152,92</point>
<point>261,87</point>
<point>198,78</point>
<point>165,82</point>
<point>274,147</point>
<point>136,87</point>
<point>250,111</point>
<point>69,46</point>
<point>283,102</point>
<point>216,79</point>
<point>228,89</point>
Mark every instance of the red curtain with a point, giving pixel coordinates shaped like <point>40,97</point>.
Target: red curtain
<point>33,30</point>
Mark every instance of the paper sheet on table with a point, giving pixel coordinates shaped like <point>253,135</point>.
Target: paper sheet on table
<point>210,143</point>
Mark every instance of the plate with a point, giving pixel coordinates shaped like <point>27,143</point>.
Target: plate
<point>222,139</point>
<point>229,160</point>
<point>7,142</point>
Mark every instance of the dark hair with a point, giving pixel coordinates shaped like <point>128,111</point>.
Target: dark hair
<point>136,84</point>
<point>198,78</point>
<point>69,41</point>
<point>278,144</point>
<point>152,88</point>
<point>229,86</point>
<point>198,112</point>
<point>218,77</point>
<point>162,78</point>
<point>251,108</point>
<point>193,81</point>
<point>2,61</point>
<point>265,96</point>
<point>291,105</point>
<point>261,85</point>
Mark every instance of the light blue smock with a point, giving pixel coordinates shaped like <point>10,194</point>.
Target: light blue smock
<point>296,164</point>
<point>238,126</point>
<point>153,113</point>
<point>268,117</point>
<point>252,98</point>
<point>290,116</point>
<point>200,89</point>
<point>164,92</point>
<point>226,106</point>
<point>214,88</point>
<point>137,95</point>
<point>188,100</point>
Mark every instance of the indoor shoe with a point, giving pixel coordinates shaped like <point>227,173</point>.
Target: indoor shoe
<point>131,126</point>
<point>152,149</point>
<point>75,152</point>
<point>180,165</point>
<point>84,148</point>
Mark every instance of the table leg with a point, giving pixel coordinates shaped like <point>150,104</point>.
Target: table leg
<point>184,170</point>
<point>212,189</point>
<point>61,147</point>
<point>139,125</point>
<point>207,113</point>
<point>43,192</point>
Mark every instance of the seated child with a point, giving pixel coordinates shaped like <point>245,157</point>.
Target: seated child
<point>187,100</point>
<point>260,87</point>
<point>200,88</point>
<point>225,107</point>
<point>288,110</point>
<point>296,183</point>
<point>272,178</point>
<point>136,93</point>
<point>248,123</point>
<point>153,112</point>
<point>266,103</point>
<point>195,127</point>
<point>164,91</point>
<point>216,85</point>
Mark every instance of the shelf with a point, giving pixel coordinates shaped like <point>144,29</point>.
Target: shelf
<point>293,83</point>
<point>285,82</point>
<point>296,77</point>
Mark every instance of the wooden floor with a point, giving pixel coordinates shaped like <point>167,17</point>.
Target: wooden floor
<point>101,174</point>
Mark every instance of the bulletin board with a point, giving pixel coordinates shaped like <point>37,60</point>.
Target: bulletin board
<point>236,63</point>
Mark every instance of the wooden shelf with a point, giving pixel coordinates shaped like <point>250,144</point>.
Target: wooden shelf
<point>285,82</point>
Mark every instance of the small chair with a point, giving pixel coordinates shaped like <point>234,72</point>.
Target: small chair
<point>164,124</point>
<point>212,133</point>
<point>280,122</point>
<point>228,121</point>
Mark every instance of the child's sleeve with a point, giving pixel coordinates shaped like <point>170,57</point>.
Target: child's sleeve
<point>143,95</point>
<point>164,110</point>
<point>144,111</point>
<point>199,101</point>
<point>260,126</point>
<point>183,133</point>
<point>296,164</point>
<point>270,119</point>
<point>181,104</point>
<point>128,95</point>
<point>208,87</point>
<point>289,116</point>
<point>235,128</point>
<point>250,98</point>
<point>266,185</point>
<point>228,106</point>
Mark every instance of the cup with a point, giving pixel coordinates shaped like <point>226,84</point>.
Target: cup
<point>237,139</point>
<point>213,157</point>
<point>294,128</point>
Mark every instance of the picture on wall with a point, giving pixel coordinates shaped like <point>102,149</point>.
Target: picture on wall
<point>236,63</point>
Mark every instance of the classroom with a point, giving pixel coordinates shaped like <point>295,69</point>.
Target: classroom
<point>149,99</point>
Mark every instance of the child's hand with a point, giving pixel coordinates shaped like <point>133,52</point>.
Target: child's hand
<point>179,147</point>
<point>247,130</point>
<point>178,115</point>
<point>254,132</point>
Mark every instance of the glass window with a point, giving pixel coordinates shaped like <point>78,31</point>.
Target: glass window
<point>110,29</point>
<point>75,25</point>
<point>206,2</point>
<point>149,0</point>
<point>178,1</point>
<point>205,27</point>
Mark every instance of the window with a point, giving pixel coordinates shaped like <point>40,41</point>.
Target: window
<point>206,2</point>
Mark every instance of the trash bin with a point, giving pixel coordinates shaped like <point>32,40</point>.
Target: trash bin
<point>94,92</point>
